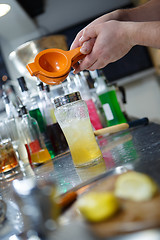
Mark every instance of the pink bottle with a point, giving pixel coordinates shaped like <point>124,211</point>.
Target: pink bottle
<point>82,87</point>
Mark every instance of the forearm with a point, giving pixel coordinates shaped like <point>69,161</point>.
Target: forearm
<point>144,33</point>
<point>143,13</point>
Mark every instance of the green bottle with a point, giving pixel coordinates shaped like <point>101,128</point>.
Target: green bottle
<point>108,98</point>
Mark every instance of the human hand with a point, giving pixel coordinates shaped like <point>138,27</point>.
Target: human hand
<point>115,15</point>
<point>103,43</point>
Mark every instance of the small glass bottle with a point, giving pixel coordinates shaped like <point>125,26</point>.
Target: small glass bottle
<point>10,109</point>
<point>35,144</point>
<point>34,111</point>
<point>9,165</point>
<point>79,83</point>
<point>108,99</point>
<point>18,141</point>
<point>31,104</point>
<point>53,129</point>
<point>14,131</point>
<point>72,115</point>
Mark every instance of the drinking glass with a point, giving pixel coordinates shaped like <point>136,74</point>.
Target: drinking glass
<point>9,164</point>
<point>72,115</point>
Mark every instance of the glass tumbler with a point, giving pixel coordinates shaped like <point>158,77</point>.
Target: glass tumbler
<point>72,115</point>
<point>9,165</point>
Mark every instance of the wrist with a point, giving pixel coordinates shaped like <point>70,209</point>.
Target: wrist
<point>130,31</point>
<point>121,15</point>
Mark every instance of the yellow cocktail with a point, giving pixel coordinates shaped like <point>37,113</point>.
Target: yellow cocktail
<point>82,142</point>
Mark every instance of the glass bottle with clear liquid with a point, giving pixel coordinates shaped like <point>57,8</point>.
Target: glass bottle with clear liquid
<point>35,144</point>
<point>34,111</point>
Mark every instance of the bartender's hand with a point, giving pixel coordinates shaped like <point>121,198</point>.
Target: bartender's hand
<point>103,43</point>
<point>111,36</point>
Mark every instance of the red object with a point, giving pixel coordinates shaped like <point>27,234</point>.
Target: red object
<point>29,154</point>
<point>35,146</point>
<point>94,117</point>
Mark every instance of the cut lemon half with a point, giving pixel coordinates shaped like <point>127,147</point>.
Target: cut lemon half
<point>98,206</point>
<point>135,186</point>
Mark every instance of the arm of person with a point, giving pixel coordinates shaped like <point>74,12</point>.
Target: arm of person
<point>114,39</point>
<point>145,12</point>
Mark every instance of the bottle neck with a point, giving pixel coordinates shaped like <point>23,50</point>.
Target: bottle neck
<point>29,101</point>
<point>41,94</point>
<point>102,87</point>
<point>11,110</point>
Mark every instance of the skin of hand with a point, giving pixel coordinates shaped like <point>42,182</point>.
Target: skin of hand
<point>99,38</point>
<point>103,43</point>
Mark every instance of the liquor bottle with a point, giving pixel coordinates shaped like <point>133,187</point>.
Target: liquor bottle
<point>83,88</point>
<point>10,109</point>
<point>53,129</point>
<point>34,111</point>
<point>108,99</point>
<point>16,136</point>
<point>35,143</point>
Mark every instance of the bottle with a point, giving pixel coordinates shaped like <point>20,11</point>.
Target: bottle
<point>72,115</point>
<point>82,86</point>
<point>34,111</point>
<point>108,99</point>
<point>18,141</point>
<point>10,109</point>
<point>35,144</point>
<point>31,104</point>
<point>53,129</point>
<point>9,165</point>
<point>16,136</point>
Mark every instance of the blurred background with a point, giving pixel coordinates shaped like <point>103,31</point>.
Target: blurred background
<point>31,26</point>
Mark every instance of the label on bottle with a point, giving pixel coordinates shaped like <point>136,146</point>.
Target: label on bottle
<point>108,112</point>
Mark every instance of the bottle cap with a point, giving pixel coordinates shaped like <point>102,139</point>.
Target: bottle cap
<point>69,98</point>
<point>40,86</point>
<point>22,84</point>
<point>5,97</point>
<point>47,88</point>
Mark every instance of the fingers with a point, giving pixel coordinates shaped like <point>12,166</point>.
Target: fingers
<point>85,64</point>
<point>83,36</point>
<point>87,34</point>
<point>76,42</point>
<point>87,46</point>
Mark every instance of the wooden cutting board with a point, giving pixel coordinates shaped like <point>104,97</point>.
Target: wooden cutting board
<point>132,216</point>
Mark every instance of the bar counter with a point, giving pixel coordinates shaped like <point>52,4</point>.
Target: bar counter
<point>136,148</point>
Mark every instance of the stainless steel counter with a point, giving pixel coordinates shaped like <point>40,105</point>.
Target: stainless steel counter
<point>137,148</point>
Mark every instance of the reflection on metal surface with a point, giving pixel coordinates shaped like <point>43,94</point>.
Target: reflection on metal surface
<point>116,142</point>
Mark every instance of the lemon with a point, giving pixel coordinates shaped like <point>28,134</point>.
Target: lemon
<point>98,206</point>
<point>135,186</point>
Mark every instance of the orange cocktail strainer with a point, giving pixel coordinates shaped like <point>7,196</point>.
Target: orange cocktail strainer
<point>52,66</point>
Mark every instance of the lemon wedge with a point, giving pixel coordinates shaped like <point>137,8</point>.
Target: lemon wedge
<point>98,206</point>
<point>135,186</point>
